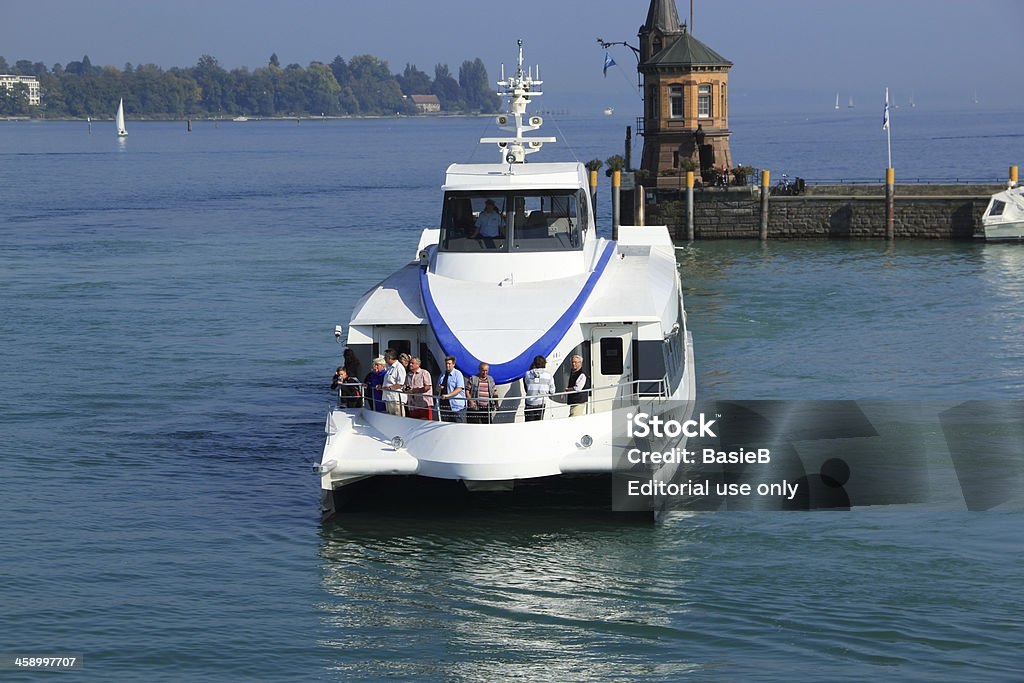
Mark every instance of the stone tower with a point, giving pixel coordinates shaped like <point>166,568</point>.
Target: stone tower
<point>686,96</point>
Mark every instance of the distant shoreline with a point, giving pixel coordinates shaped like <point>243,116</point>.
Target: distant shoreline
<point>249,119</point>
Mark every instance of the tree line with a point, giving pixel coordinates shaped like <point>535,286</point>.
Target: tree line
<point>364,85</point>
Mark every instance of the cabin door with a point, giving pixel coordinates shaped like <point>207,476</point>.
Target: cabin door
<point>401,338</point>
<point>611,361</point>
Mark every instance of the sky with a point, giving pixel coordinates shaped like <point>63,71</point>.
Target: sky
<point>794,54</point>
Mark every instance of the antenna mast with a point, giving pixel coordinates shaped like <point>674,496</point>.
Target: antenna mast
<point>519,89</point>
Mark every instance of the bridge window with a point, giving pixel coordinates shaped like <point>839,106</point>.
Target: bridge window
<point>540,220</point>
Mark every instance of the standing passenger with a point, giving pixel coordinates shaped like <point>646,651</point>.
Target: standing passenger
<point>452,392</point>
<point>417,383</point>
<point>539,384</point>
<point>374,380</point>
<point>394,384</point>
<point>579,384</point>
<point>347,388</point>
<point>482,396</point>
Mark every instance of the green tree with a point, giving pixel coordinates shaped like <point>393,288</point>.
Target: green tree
<point>447,89</point>
<point>341,71</point>
<point>274,61</point>
<point>323,91</point>
<point>213,84</point>
<point>413,81</point>
<point>476,89</point>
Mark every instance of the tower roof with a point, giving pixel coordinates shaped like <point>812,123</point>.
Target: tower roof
<point>687,50</point>
<point>662,16</point>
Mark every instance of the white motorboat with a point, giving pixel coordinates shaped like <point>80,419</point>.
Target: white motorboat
<point>543,284</point>
<point>1004,216</point>
<point>609,111</point>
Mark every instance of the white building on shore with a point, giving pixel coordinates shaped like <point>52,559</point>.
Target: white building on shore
<point>9,80</point>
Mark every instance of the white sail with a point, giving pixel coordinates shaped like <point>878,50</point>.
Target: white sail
<point>837,100</point>
<point>121,131</point>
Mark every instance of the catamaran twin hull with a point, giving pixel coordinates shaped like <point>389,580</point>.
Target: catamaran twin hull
<point>629,329</point>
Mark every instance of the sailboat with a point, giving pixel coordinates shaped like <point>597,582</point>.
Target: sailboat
<point>850,104</point>
<point>837,101</point>
<point>119,120</point>
<point>912,104</point>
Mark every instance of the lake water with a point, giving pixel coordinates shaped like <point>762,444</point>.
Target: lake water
<point>167,306</point>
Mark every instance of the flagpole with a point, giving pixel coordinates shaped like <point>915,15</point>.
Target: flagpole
<point>888,128</point>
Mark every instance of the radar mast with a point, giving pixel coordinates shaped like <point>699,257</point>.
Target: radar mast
<point>519,89</point>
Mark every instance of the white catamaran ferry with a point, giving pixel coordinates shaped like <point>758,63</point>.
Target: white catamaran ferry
<point>535,280</point>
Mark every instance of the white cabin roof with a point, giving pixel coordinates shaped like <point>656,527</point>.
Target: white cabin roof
<point>556,176</point>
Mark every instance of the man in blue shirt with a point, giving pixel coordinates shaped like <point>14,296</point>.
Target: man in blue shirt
<point>490,221</point>
<point>451,391</point>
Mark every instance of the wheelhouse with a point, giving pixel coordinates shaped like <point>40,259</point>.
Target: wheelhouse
<point>540,220</point>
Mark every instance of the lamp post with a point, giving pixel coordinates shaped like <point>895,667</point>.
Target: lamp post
<point>698,139</point>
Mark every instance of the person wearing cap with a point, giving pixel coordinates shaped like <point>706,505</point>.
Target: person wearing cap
<point>489,222</point>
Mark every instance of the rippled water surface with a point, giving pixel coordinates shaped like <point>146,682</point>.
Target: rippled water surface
<point>167,306</point>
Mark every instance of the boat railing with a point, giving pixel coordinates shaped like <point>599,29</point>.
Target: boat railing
<point>512,408</point>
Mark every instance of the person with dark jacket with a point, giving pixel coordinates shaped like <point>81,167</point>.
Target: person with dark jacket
<point>578,389</point>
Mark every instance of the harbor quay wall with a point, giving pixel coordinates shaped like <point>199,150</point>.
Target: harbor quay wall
<point>826,211</point>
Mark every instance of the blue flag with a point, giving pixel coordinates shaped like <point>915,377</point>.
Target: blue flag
<point>608,61</point>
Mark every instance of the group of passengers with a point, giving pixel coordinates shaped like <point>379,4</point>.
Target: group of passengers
<point>399,385</point>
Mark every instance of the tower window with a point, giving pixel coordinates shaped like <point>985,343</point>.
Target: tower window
<point>704,101</point>
<point>676,98</point>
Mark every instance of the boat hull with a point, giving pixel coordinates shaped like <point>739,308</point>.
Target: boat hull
<point>454,462</point>
<point>1010,231</point>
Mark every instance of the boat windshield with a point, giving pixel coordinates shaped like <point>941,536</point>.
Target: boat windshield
<point>540,220</point>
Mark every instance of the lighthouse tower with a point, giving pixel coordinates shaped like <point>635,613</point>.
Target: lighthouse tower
<point>686,96</point>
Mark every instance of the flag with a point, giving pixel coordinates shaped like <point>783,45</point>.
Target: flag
<point>608,61</point>
<point>885,112</point>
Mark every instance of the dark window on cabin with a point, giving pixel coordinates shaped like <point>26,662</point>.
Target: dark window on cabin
<point>400,346</point>
<point>582,199</point>
<point>428,362</point>
<point>997,208</point>
<point>611,356</point>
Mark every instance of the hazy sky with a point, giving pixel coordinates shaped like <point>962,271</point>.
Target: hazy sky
<point>797,52</point>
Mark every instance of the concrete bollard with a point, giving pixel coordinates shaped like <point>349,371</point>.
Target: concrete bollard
<point>766,176</point>
<point>689,206</point>
<point>890,203</point>
<point>616,183</point>
<point>593,192</point>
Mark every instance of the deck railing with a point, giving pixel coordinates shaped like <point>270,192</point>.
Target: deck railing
<point>511,409</point>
